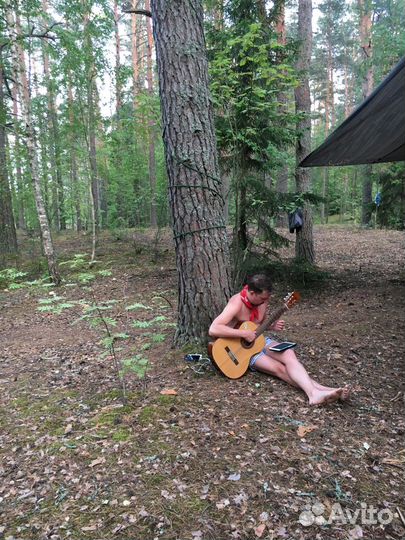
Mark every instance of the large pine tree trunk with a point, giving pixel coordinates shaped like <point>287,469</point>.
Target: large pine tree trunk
<point>8,237</point>
<point>201,244</point>
<point>23,91</point>
<point>304,245</point>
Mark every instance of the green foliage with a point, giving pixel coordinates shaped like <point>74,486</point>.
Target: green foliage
<point>79,261</point>
<point>135,364</point>
<point>391,181</point>
<point>136,306</point>
<point>86,277</point>
<point>9,278</point>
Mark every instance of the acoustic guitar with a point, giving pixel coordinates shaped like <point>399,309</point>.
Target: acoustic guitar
<point>232,355</point>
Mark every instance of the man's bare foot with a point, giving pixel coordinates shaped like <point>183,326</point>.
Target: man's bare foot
<point>346,390</point>
<point>323,397</point>
<point>345,393</point>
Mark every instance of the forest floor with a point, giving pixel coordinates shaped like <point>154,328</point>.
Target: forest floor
<point>195,455</point>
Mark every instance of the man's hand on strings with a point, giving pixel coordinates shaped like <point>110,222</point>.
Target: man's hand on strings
<point>278,325</point>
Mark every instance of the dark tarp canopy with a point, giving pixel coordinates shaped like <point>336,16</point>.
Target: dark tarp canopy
<point>373,133</point>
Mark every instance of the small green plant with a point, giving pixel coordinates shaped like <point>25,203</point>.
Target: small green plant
<point>95,314</point>
<point>54,304</point>
<point>136,306</point>
<point>86,277</point>
<point>9,278</point>
<point>79,261</point>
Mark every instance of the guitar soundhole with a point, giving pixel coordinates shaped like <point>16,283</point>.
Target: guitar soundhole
<point>246,344</point>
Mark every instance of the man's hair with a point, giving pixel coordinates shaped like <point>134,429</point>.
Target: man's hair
<point>259,283</point>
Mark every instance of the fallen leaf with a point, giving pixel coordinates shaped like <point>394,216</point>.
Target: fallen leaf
<point>235,477</point>
<point>260,530</point>
<point>68,429</point>
<point>222,503</point>
<point>355,533</point>
<point>97,461</point>
<point>303,430</point>
<point>168,392</point>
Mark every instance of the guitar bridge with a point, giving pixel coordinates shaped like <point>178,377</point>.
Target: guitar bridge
<point>232,356</point>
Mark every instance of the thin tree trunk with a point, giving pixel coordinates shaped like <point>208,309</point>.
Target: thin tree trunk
<point>74,178</point>
<point>202,254</point>
<point>367,87</point>
<point>282,175</point>
<point>304,245</point>
<point>118,82</point>
<point>91,128</point>
<point>54,139</point>
<point>23,91</point>
<point>8,236</point>
<point>17,156</point>
<point>151,125</point>
<point>134,55</point>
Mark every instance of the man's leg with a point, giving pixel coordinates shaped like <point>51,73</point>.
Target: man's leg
<point>270,366</point>
<point>298,376</point>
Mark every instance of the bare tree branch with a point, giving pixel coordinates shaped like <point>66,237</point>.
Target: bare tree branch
<point>126,8</point>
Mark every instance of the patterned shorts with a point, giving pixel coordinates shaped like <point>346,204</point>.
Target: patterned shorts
<point>254,358</point>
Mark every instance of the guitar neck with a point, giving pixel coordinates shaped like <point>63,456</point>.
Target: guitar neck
<point>276,315</point>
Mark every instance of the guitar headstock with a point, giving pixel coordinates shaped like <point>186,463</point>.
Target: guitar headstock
<point>291,299</point>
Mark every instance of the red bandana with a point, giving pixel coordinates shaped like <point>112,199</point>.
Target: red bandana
<point>254,309</point>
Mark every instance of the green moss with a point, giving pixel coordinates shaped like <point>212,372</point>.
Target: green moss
<point>147,414</point>
<point>167,400</point>
<point>121,434</point>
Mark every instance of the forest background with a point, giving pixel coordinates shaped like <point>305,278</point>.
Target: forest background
<point>105,430</point>
<point>235,117</point>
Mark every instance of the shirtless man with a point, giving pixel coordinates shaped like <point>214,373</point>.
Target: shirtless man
<point>251,304</point>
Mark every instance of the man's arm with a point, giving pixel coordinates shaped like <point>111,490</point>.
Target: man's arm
<point>220,326</point>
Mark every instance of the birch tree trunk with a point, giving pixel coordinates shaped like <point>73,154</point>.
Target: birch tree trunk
<point>17,157</point>
<point>23,92</point>
<point>74,178</point>
<point>304,245</point>
<point>53,141</point>
<point>202,253</point>
<point>8,236</point>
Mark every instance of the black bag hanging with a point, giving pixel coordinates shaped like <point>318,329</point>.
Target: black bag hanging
<point>295,220</point>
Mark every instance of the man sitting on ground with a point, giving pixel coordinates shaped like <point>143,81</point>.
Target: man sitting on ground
<point>251,304</point>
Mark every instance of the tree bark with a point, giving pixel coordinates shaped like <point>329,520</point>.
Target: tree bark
<point>134,56</point>
<point>17,156</point>
<point>151,125</point>
<point>91,129</point>
<point>304,245</point>
<point>202,253</point>
<point>367,87</point>
<point>54,139</point>
<point>74,178</point>
<point>8,236</point>
<point>23,91</point>
<point>118,83</point>
<point>282,175</point>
